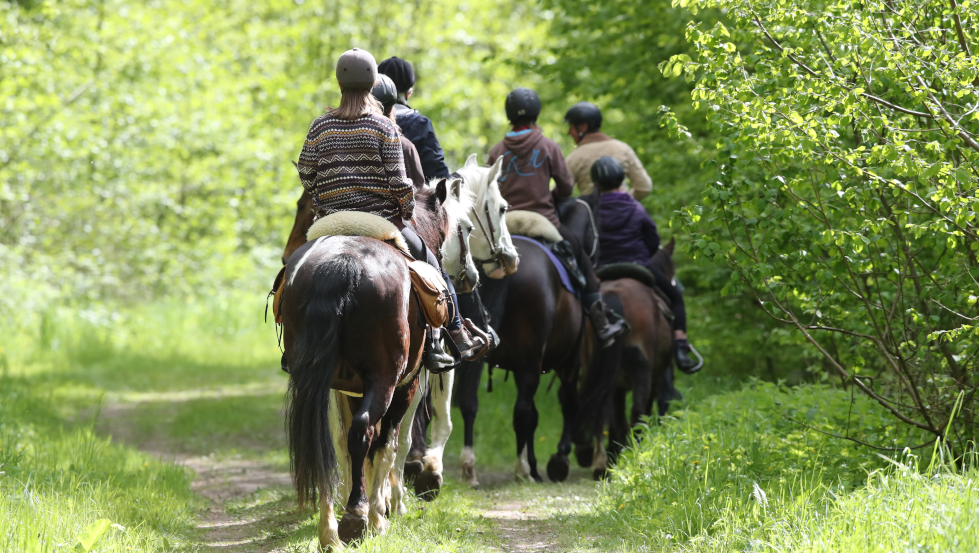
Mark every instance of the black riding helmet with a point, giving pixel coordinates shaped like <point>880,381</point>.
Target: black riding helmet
<point>385,92</point>
<point>522,104</point>
<point>585,112</point>
<point>607,173</point>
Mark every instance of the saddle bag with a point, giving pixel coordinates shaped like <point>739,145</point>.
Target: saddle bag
<point>431,291</point>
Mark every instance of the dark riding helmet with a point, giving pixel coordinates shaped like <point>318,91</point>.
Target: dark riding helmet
<point>607,173</point>
<point>585,112</point>
<point>522,104</point>
<point>385,92</point>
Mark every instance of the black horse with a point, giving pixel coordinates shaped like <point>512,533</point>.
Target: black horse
<point>540,326</point>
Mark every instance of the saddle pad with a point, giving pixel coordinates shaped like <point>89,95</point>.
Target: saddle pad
<point>639,273</point>
<point>432,292</point>
<point>356,223</point>
<point>566,281</point>
<point>532,224</point>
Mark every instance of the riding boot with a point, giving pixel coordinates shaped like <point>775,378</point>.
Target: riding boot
<point>471,342</point>
<point>684,361</point>
<point>606,331</point>
<point>434,356</point>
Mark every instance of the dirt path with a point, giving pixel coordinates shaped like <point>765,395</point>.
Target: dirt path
<point>251,504</point>
<point>231,522</point>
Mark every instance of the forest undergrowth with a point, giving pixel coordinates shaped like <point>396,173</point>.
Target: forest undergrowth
<point>727,470</point>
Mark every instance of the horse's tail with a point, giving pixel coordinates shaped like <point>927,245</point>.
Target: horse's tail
<point>312,365</point>
<point>600,379</point>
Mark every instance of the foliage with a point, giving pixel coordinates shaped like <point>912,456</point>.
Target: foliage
<point>847,188</point>
<point>145,147</point>
<point>608,52</point>
<point>731,474</point>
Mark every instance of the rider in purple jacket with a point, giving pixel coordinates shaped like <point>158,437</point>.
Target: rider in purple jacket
<point>628,234</point>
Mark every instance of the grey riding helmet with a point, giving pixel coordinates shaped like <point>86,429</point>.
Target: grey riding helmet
<point>522,104</point>
<point>607,173</point>
<point>585,112</point>
<point>385,92</point>
<point>356,68</point>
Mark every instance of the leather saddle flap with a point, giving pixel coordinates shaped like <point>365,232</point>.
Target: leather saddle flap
<point>432,292</point>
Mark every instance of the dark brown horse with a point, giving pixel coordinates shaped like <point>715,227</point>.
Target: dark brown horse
<point>641,362</point>
<point>349,324</point>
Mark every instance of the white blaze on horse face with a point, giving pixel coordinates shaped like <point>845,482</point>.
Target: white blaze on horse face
<point>487,214</point>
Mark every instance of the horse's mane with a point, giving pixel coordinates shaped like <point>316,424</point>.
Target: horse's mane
<point>433,224</point>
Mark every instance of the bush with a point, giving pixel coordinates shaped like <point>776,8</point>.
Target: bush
<point>846,189</point>
<point>734,473</point>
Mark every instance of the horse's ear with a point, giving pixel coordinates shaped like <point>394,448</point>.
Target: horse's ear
<point>296,165</point>
<point>495,168</point>
<point>670,246</point>
<point>442,191</point>
<point>471,161</point>
<point>456,188</point>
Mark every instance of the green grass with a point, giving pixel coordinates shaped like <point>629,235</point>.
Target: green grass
<point>89,400</point>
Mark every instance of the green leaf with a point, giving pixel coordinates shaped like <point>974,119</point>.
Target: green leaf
<point>91,536</point>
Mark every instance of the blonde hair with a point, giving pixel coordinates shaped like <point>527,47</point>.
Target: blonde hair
<point>355,103</point>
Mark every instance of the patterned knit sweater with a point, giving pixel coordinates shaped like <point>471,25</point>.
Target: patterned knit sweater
<point>356,166</point>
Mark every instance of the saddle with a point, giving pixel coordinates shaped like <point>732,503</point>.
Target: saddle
<point>427,285</point>
<point>616,271</point>
<point>534,225</point>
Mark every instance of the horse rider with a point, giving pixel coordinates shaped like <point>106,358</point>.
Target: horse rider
<point>628,234</point>
<point>386,93</point>
<point>415,126</point>
<point>584,121</point>
<point>531,161</point>
<point>352,160</point>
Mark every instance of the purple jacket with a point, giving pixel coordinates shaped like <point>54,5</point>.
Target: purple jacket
<point>626,231</point>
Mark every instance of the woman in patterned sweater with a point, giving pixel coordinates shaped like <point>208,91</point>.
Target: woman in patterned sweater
<point>352,161</point>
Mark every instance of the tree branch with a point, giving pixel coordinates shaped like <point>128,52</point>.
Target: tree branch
<point>855,440</point>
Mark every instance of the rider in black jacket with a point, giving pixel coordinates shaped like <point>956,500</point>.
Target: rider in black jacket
<point>415,126</point>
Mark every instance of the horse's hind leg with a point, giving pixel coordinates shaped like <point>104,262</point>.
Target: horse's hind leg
<point>527,379</point>
<point>467,396</point>
<point>327,528</point>
<point>382,456</point>
<point>417,445</point>
<point>359,438</point>
<point>405,445</point>
<point>428,483</point>
<point>558,465</point>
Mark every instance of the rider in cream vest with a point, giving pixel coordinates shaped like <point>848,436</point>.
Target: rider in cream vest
<point>584,120</point>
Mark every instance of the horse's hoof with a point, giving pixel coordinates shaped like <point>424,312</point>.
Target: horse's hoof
<point>599,474</point>
<point>352,528</point>
<point>412,470</point>
<point>428,484</point>
<point>583,454</point>
<point>558,468</point>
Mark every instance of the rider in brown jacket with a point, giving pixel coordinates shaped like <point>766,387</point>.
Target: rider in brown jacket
<point>531,161</point>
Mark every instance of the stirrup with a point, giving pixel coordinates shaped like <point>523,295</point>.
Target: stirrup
<point>488,342</point>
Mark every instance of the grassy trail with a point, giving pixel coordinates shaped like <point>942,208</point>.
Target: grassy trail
<point>231,437</point>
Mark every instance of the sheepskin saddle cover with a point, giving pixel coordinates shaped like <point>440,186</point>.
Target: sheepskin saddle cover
<point>355,223</point>
<point>427,282</point>
<point>532,225</point>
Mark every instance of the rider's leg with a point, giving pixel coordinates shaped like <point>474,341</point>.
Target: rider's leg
<point>591,297</point>
<point>468,345</point>
<point>681,345</point>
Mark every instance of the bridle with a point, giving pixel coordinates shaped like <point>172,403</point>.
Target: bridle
<point>464,249</point>
<point>495,252</point>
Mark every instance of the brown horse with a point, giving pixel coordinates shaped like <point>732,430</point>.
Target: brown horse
<point>349,323</point>
<point>640,361</point>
